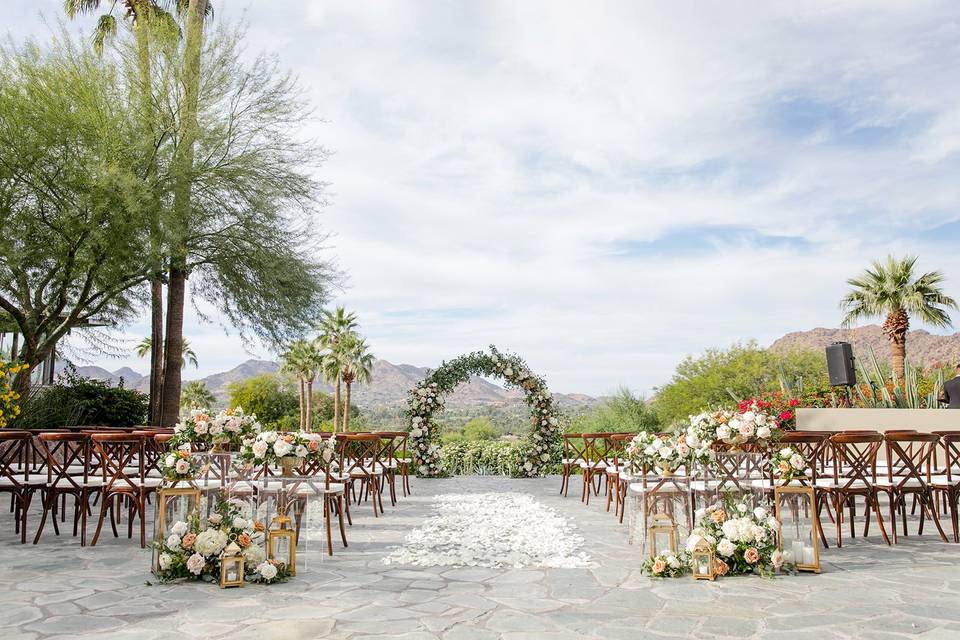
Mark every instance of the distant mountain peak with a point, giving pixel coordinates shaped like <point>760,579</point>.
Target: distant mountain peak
<point>923,348</point>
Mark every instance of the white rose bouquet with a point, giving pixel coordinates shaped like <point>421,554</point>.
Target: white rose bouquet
<point>179,464</point>
<point>667,565</point>
<point>269,447</point>
<point>789,464</point>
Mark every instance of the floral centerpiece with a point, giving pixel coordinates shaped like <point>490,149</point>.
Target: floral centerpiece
<point>179,465</point>
<point>8,397</point>
<point>789,464</point>
<point>751,424</point>
<point>668,453</point>
<point>287,450</point>
<point>667,565</point>
<point>230,427</point>
<point>194,548</point>
<point>743,539</point>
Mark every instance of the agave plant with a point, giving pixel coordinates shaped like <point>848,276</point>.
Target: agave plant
<point>902,396</point>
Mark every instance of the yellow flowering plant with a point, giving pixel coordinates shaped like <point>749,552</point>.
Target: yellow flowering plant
<point>9,408</point>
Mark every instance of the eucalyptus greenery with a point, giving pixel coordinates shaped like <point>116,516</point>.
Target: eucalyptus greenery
<point>535,455</point>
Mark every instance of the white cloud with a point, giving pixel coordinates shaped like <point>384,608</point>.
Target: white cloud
<point>494,162</point>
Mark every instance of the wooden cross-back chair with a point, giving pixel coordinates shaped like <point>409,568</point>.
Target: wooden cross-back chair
<point>124,478</point>
<point>360,464</point>
<point>947,481</point>
<point>909,462</point>
<point>573,455</point>
<point>68,474</point>
<point>854,475</point>
<point>18,475</point>
<point>596,451</point>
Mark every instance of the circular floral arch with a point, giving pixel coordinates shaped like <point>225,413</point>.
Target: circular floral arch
<point>427,399</point>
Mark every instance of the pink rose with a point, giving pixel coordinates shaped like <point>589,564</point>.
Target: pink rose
<point>182,467</point>
<point>751,555</point>
<point>195,564</point>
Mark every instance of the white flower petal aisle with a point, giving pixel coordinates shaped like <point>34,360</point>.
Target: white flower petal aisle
<point>492,530</point>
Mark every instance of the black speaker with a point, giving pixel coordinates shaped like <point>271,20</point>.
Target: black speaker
<point>840,364</point>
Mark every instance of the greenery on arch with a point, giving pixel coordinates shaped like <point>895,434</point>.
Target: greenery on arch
<point>427,399</point>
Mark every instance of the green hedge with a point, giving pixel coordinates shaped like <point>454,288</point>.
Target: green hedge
<point>487,458</point>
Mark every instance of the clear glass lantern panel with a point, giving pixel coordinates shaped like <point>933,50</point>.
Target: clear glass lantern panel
<point>798,533</point>
<point>231,569</point>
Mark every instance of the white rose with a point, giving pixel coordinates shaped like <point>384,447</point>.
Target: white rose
<point>723,432</point>
<point>270,437</point>
<point>673,561</point>
<point>239,523</point>
<point>665,452</point>
<point>254,555</point>
<point>759,533</point>
<point>797,461</point>
<point>759,513</point>
<point>267,570</point>
<point>210,542</point>
<point>183,466</point>
<point>165,561</point>
<point>786,451</point>
<point>215,429</point>
<point>259,448</point>
<point>201,427</point>
<point>177,428</point>
<point>746,430</point>
<point>179,528</point>
<point>763,433</point>
<point>416,420</point>
<point>173,541</point>
<point>170,460</point>
<point>282,448</point>
<point>508,372</point>
<point>749,416</point>
<point>726,548</point>
<point>773,523</point>
<point>301,451</point>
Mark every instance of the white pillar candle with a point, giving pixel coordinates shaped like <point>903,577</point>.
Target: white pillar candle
<point>808,557</point>
<point>797,551</point>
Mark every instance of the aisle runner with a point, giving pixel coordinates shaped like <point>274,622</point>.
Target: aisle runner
<point>492,530</point>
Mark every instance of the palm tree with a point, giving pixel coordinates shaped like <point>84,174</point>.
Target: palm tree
<point>295,364</point>
<point>189,357</point>
<point>891,290</point>
<point>196,395</point>
<point>356,366</point>
<point>333,327</point>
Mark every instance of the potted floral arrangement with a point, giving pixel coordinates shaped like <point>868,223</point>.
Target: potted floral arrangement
<point>789,465</point>
<point>179,465</point>
<point>288,450</point>
<point>194,548</point>
<point>743,539</point>
<point>229,428</point>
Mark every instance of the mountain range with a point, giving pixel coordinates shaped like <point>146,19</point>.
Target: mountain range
<point>389,388</point>
<point>924,349</point>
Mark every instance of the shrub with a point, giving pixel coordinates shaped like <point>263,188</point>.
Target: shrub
<point>74,400</point>
<point>271,397</point>
<point>621,413</point>
<point>481,457</point>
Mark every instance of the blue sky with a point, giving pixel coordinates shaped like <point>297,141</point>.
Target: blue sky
<point>605,187</point>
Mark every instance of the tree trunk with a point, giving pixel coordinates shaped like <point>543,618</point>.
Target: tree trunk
<point>303,403</point>
<point>173,349</point>
<point>156,350</point>
<point>15,347</point>
<point>336,406</point>
<point>895,327</point>
<point>309,423</point>
<point>898,357</point>
<point>173,354</point>
<point>346,407</point>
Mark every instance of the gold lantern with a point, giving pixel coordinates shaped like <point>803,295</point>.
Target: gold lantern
<point>795,507</point>
<point>282,540</point>
<point>175,503</point>
<point>231,567</point>
<point>703,561</point>
<point>662,534</point>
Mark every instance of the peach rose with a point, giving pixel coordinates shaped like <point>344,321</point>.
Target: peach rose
<point>313,445</point>
<point>720,567</point>
<point>188,540</point>
<point>258,525</point>
<point>751,555</point>
<point>243,540</point>
<point>719,516</point>
<point>784,467</point>
<point>288,438</point>
<point>659,565</point>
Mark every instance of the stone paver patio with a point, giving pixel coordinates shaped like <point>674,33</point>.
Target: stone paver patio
<point>867,590</point>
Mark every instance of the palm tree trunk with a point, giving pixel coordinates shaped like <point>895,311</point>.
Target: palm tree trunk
<point>346,407</point>
<point>303,404</point>
<point>173,351</point>
<point>336,406</point>
<point>898,357</point>
<point>309,425</point>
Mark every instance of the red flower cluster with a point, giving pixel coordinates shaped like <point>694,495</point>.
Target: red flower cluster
<point>777,405</point>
